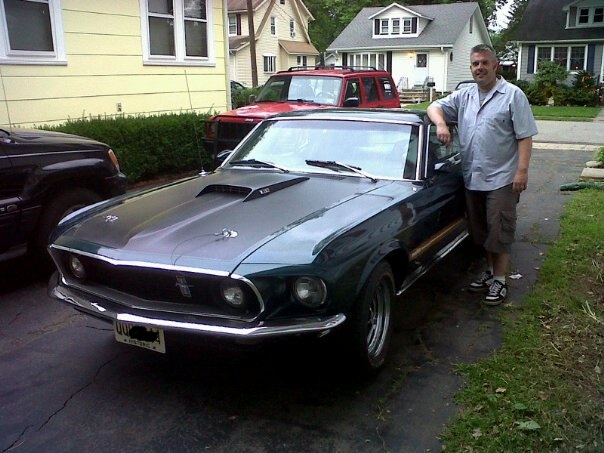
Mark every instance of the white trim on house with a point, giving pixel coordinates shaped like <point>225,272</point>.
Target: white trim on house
<point>396,5</point>
<point>54,57</point>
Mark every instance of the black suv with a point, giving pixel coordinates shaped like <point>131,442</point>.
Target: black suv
<point>43,177</point>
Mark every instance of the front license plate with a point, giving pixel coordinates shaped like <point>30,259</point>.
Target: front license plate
<point>141,336</point>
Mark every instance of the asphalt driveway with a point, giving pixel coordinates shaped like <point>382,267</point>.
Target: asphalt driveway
<point>66,385</point>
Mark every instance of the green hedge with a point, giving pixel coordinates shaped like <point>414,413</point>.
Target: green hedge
<point>148,147</point>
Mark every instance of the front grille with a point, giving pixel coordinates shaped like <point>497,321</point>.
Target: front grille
<point>160,289</point>
<point>234,131</point>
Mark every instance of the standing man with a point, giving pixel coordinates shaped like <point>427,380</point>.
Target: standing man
<point>496,127</point>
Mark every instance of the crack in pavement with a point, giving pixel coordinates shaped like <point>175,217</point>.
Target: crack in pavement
<point>20,438</point>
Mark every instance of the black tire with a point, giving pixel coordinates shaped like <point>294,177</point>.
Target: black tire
<point>58,206</point>
<point>370,326</point>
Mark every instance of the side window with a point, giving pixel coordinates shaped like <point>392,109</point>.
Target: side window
<point>387,88</point>
<point>352,89</point>
<point>438,151</point>
<point>370,88</point>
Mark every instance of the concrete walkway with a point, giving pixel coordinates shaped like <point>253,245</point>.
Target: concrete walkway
<point>582,135</point>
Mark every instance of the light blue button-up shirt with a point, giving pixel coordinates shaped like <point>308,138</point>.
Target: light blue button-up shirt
<point>489,133</point>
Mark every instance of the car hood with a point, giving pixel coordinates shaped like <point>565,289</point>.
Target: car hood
<point>42,137</point>
<point>218,221</point>
<point>263,110</point>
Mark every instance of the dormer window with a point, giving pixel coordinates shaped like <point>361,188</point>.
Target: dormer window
<point>384,23</point>
<point>590,17</point>
<point>395,26</point>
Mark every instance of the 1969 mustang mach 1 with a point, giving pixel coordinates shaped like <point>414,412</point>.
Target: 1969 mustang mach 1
<point>311,225</point>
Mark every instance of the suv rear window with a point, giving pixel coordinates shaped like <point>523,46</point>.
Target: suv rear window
<point>387,88</point>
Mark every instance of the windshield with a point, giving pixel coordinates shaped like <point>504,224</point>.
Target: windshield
<point>355,148</point>
<point>313,89</point>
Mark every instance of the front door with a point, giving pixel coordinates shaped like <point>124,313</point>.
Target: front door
<point>421,68</point>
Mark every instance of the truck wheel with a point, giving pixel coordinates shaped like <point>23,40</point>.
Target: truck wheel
<point>371,322</point>
<point>60,205</point>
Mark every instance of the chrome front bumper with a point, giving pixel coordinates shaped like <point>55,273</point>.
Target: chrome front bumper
<point>106,311</point>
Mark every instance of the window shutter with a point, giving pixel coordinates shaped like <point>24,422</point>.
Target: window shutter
<point>389,61</point>
<point>238,24</point>
<point>591,56</point>
<point>414,25</point>
<point>344,59</point>
<point>376,26</point>
<point>530,68</point>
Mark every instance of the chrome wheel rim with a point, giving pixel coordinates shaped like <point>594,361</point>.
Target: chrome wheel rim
<point>378,321</point>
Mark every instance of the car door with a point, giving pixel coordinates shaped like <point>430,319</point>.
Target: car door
<point>370,93</point>
<point>9,199</point>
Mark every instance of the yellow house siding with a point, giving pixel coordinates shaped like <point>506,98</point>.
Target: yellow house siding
<point>104,48</point>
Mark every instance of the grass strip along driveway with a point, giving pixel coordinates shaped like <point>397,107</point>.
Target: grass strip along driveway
<point>543,390</point>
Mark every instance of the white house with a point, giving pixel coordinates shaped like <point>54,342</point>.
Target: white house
<point>417,44</point>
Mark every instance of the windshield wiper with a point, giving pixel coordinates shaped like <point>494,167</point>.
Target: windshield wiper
<point>258,163</point>
<point>334,165</point>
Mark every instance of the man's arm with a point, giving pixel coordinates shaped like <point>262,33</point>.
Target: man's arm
<point>525,148</point>
<point>437,116</point>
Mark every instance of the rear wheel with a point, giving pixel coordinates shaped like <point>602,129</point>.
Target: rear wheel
<point>371,323</point>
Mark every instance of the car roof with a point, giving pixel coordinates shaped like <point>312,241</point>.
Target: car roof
<point>338,71</point>
<point>399,115</point>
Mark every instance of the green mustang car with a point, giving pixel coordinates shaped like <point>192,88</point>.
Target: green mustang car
<point>313,224</point>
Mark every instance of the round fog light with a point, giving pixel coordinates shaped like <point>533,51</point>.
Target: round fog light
<point>233,294</point>
<point>310,291</point>
<point>77,267</point>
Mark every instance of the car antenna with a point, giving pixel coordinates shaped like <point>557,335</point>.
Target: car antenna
<point>10,124</point>
<point>194,123</point>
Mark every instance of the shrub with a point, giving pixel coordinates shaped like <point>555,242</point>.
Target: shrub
<point>600,155</point>
<point>242,97</point>
<point>535,95</point>
<point>148,146</point>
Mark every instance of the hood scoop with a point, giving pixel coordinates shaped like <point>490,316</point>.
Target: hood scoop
<point>251,193</point>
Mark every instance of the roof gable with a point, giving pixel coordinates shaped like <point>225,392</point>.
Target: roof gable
<point>396,5</point>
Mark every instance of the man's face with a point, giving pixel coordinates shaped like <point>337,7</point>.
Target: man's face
<point>484,69</point>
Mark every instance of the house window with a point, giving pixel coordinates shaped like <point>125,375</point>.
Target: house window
<point>377,60</point>
<point>396,26</point>
<point>471,25</point>
<point>421,60</point>
<point>570,58</point>
<point>384,26</point>
<point>177,31</point>
<point>577,58</point>
<point>270,63</point>
<point>407,26</point>
<point>561,56</point>
<point>598,15</point>
<point>583,15</point>
<point>292,28</point>
<point>302,60</point>
<point>273,26</point>
<point>34,31</point>
<point>544,54</point>
<point>232,24</point>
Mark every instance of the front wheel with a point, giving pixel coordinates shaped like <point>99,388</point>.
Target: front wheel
<point>371,322</point>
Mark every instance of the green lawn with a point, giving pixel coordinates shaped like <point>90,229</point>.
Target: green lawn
<point>542,112</point>
<point>543,390</point>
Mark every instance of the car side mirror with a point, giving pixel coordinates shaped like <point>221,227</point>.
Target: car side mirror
<point>223,155</point>
<point>352,102</point>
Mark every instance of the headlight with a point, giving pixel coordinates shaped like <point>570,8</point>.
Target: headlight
<point>77,267</point>
<point>310,291</point>
<point>233,294</point>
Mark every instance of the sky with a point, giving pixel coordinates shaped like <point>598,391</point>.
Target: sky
<point>502,16</point>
